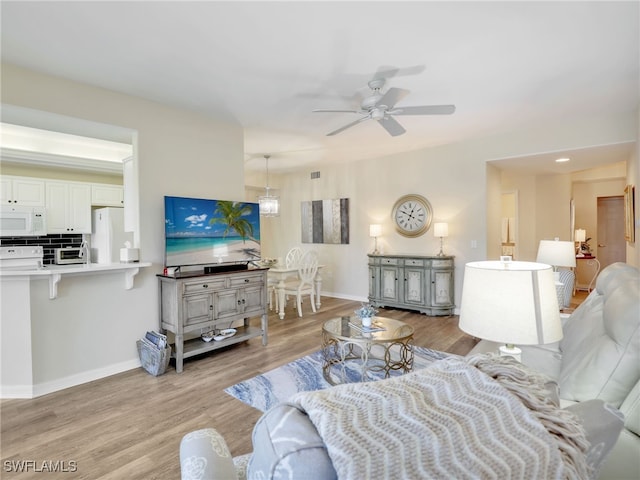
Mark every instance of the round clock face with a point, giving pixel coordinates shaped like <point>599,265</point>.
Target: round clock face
<point>412,215</point>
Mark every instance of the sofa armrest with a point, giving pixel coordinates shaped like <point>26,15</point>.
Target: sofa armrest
<point>602,424</point>
<point>204,455</point>
<point>545,359</point>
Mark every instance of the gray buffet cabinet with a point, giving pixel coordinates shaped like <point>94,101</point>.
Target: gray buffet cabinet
<point>412,282</point>
<point>195,303</point>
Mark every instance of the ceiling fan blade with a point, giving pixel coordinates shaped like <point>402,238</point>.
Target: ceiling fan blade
<point>349,125</point>
<point>335,111</point>
<point>385,71</point>
<point>393,96</point>
<point>391,125</point>
<point>425,110</point>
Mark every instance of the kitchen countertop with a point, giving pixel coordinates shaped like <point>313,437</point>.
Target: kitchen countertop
<point>74,268</point>
<point>56,272</point>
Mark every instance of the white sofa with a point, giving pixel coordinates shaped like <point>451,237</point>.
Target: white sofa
<point>599,357</point>
<point>595,365</point>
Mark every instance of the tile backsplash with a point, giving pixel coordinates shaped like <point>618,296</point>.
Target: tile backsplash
<point>48,242</point>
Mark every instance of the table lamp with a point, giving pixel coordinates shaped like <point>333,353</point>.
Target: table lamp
<point>559,254</point>
<point>514,303</point>
<point>375,231</point>
<point>579,237</point>
<point>441,230</point>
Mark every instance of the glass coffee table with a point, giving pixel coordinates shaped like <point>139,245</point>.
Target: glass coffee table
<point>353,353</point>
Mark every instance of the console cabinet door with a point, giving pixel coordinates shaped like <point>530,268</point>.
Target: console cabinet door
<point>198,308</point>
<point>374,293</point>
<point>414,286</point>
<point>442,291</point>
<point>227,303</point>
<point>253,300</point>
<point>389,283</point>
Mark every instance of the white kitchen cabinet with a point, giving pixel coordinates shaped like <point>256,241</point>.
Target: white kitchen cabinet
<point>68,207</point>
<point>412,282</point>
<point>103,195</point>
<point>25,191</point>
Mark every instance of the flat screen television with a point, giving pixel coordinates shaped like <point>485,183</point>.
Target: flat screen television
<point>210,232</point>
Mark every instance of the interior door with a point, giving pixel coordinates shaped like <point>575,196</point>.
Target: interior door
<point>611,244</point>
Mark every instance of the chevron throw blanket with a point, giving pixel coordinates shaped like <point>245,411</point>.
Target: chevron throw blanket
<point>477,418</point>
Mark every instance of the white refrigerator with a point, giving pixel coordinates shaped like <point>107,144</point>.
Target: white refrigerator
<point>108,235</point>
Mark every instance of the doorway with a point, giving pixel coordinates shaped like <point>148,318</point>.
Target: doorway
<point>509,224</point>
<point>611,243</point>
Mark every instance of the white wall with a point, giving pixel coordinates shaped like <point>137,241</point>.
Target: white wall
<point>455,179</point>
<point>183,153</point>
<point>178,153</point>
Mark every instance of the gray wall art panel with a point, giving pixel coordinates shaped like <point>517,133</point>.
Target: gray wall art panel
<point>325,221</point>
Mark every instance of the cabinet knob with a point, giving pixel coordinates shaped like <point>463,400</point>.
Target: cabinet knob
<point>210,307</point>
<point>246,280</point>
<point>205,286</point>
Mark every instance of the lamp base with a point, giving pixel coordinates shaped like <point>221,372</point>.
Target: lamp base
<point>441,252</point>
<point>509,350</point>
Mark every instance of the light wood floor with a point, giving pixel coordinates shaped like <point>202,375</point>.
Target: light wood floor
<point>129,426</point>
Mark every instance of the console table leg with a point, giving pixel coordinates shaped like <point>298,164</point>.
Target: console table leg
<point>264,329</point>
<point>179,353</point>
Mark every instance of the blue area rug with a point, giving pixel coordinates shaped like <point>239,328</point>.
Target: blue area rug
<point>305,375</point>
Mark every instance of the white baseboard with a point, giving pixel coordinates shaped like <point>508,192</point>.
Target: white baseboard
<point>344,297</point>
<point>16,391</point>
<point>37,390</point>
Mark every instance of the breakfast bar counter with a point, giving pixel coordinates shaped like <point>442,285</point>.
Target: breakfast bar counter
<point>55,272</point>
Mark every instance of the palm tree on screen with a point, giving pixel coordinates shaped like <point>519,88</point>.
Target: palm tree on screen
<point>232,216</point>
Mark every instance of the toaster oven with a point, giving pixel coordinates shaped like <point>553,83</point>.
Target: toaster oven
<point>68,255</point>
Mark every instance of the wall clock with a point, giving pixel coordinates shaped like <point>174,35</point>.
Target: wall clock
<point>412,215</point>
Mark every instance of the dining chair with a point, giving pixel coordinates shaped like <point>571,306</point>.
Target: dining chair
<point>293,257</point>
<point>305,284</point>
<point>292,260</point>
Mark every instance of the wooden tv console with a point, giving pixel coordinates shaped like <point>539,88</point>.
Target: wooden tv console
<point>194,303</point>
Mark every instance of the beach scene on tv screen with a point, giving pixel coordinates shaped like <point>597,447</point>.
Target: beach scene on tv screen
<point>204,232</point>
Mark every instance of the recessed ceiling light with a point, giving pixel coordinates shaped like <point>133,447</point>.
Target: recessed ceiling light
<point>562,160</point>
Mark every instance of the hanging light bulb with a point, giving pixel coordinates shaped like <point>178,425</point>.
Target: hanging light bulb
<point>269,204</point>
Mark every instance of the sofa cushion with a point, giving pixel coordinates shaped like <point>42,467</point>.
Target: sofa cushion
<point>286,445</point>
<point>601,344</point>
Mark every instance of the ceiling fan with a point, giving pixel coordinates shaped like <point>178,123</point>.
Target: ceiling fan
<point>381,107</point>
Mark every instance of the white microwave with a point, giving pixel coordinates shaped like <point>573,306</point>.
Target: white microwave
<point>17,221</point>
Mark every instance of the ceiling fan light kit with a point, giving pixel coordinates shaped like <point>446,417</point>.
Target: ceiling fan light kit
<point>382,106</point>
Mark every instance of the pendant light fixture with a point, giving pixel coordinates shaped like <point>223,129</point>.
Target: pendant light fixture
<point>269,204</point>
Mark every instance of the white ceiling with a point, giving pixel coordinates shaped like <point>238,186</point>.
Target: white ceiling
<point>267,65</point>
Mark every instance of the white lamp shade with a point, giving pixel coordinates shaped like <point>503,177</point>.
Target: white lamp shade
<point>440,229</point>
<point>557,253</point>
<point>510,302</point>
<point>375,230</point>
<point>581,235</point>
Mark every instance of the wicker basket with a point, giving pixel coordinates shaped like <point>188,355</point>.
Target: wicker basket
<point>153,360</point>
